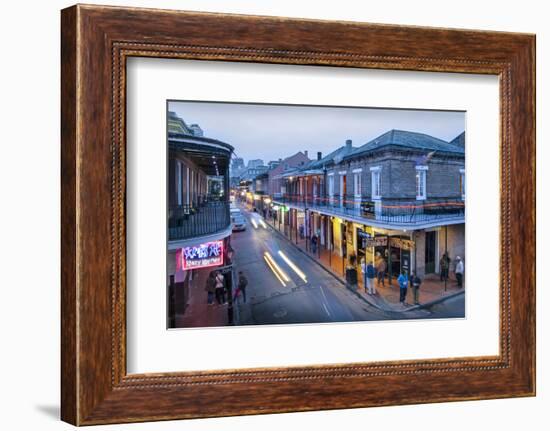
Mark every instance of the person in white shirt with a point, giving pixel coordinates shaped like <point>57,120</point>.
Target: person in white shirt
<point>459,271</point>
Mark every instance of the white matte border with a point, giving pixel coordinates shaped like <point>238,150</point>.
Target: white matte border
<point>152,348</point>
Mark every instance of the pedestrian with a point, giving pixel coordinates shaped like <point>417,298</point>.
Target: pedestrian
<point>210,287</point>
<point>241,286</point>
<point>371,274</point>
<point>314,244</point>
<point>459,271</point>
<point>416,281</point>
<point>444,267</point>
<point>403,281</point>
<point>381,271</point>
<point>220,288</point>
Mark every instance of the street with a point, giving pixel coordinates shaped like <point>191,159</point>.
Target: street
<point>272,299</point>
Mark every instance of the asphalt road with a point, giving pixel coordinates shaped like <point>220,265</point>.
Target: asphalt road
<point>273,300</point>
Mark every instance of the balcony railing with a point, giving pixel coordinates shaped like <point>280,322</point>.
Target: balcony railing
<point>189,221</point>
<point>400,211</point>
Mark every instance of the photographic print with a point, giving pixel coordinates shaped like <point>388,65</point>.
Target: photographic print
<point>297,214</point>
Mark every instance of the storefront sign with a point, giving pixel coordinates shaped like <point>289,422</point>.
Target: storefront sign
<point>379,241</point>
<point>404,244</point>
<point>202,255</point>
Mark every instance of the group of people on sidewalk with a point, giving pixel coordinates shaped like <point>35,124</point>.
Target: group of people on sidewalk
<point>444,265</point>
<point>371,271</point>
<point>216,288</point>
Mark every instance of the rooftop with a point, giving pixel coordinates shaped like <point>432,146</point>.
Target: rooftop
<point>408,140</point>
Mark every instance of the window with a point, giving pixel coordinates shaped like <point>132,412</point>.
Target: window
<point>331,185</point>
<point>357,184</point>
<point>375,183</point>
<point>421,182</point>
<point>463,183</point>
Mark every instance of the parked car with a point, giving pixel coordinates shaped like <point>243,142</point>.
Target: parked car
<point>238,222</point>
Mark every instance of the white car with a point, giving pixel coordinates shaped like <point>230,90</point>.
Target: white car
<point>238,222</point>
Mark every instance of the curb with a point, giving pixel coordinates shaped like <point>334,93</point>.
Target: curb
<point>435,301</point>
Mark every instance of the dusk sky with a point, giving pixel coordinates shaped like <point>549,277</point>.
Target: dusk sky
<point>270,132</point>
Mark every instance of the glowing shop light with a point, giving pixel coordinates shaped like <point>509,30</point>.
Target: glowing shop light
<point>293,266</point>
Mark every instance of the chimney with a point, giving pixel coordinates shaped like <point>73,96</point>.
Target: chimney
<point>348,144</point>
<point>305,153</point>
<point>319,155</point>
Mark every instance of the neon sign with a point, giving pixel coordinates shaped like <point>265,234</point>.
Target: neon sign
<point>202,255</point>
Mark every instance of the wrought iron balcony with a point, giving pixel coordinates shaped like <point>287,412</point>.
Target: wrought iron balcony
<point>204,218</point>
<point>399,211</point>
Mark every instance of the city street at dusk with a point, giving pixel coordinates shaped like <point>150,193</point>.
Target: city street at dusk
<point>288,220</point>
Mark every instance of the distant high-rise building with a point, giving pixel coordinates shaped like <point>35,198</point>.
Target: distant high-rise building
<point>237,163</point>
<point>254,163</point>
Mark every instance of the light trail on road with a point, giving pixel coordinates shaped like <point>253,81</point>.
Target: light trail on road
<point>262,223</point>
<point>274,271</point>
<point>254,223</point>
<point>293,266</point>
<point>278,271</point>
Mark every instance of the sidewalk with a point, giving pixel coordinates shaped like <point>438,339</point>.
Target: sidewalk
<point>387,298</point>
<point>198,313</point>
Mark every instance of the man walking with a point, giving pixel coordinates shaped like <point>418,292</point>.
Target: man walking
<point>241,286</point>
<point>403,281</point>
<point>415,283</point>
<point>459,271</point>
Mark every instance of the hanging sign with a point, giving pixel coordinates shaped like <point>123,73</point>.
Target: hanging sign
<point>378,241</point>
<point>202,255</point>
<point>405,244</point>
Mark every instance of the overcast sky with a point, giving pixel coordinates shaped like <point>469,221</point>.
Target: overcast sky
<point>270,132</point>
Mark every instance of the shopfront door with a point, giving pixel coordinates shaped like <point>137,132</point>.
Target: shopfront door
<point>430,252</point>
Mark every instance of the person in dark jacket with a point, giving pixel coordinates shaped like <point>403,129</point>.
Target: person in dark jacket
<point>210,287</point>
<point>369,274</point>
<point>403,281</point>
<point>416,281</point>
<point>241,286</point>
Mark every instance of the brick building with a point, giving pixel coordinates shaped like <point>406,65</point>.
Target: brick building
<point>399,197</point>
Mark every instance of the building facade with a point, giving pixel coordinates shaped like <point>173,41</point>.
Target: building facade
<point>199,225</point>
<point>399,197</point>
<point>276,181</point>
